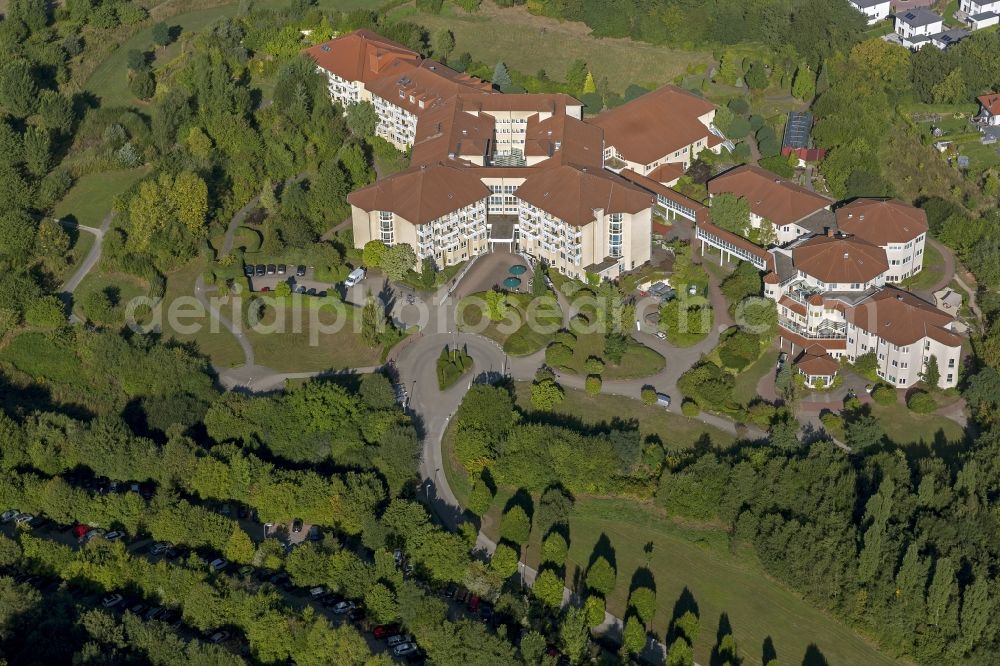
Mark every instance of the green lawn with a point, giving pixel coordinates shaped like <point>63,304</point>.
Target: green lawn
<point>528,327</point>
<point>126,286</point>
<point>980,157</point>
<point>932,271</point>
<point>677,432</point>
<point>638,361</point>
<point>92,196</point>
<point>745,387</point>
<point>698,558</point>
<point>300,344</point>
<point>220,346</point>
<point>511,35</point>
<point>904,427</point>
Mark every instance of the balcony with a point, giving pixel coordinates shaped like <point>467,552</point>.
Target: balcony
<point>827,330</point>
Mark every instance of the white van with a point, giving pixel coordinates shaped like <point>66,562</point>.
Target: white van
<point>355,276</point>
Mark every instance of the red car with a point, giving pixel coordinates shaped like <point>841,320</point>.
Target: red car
<point>474,603</point>
<point>80,531</point>
<point>386,630</point>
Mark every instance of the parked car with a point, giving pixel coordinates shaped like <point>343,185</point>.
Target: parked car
<point>354,277</point>
<point>315,533</point>
<point>663,400</point>
<point>398,639</point>
<point>114,535</point>
<point>271,269</point>
<point>8,516</point>
<point>386,631</point>
<point>869,388</point>
<point>317,592</point>
<point>300,271</point>
<point>404,649</point>
<point>248,270</point>
<point>782,358</point>
<point>297,525</point>
<point>260,270</point>
<point>245,571</point>
<point>217,565</point>
<point>281,269</point>
<point>138,608</point>
<point>661,335</point>
<point>344,607</point>
<point>265,289</point>
<point>111,600</point>
<point>474,603</point>
<point>154,612</point>
<point>159,548</point>
<point>22,519</point>
<point>218,637</point>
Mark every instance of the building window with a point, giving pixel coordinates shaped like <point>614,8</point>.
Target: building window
<point>951,363</point>
<point>385,227</point>
<point>615,235</point>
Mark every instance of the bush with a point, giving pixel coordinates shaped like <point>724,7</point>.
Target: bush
<point>921,402</point>
<point>515,525</point>
<point>593,384</point>
<point>504,561</point>
<point>884,394</point>
<point>594,365</point>
<point>690,408</point>
<point>648,395</point>
<point>558,355</point>
<point>833,423</point>
<point>594,608</point>
<point>451,365</point>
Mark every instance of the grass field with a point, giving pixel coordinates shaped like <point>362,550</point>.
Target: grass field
<point>80,244</point>
<point>695,558</point>
<point>526,338</point>
<point>220,346</point>
<point>638,361</point>
<point>91,197</point>
<point>905,427</point>
<point>932,271</point>
<point>528,43</point>
<point>304,346</point>
<point>677,432</point>
<point>745,387</point>
<point>127,287</point>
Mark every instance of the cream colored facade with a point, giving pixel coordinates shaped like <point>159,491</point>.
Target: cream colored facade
<point>903,366</point>
<point>571,249</point>
<point>448,240</point>
<point>905,259</point>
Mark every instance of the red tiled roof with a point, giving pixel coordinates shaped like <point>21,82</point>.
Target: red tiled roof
<point>792,305</point>
<point>572,193</point>
<point>840,260</point>
<point>902,319</point>
<point>815,362</point>
<point>421,87</point>
<point>991,102</point>
<point>361,55</point>
<point>656,124</point>
<point>667,173</point>
<point>423,193</point>
<point>771,197</point>
<point>882,221</point>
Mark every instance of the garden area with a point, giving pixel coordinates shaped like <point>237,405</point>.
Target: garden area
<point>690,565</point>
<point>520,323</point>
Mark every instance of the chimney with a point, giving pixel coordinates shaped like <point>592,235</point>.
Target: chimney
<point>861,217</point>
<point>846,255</point>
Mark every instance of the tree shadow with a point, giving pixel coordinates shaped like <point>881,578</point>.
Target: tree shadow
<point>521,498</point>
<point>768,653</point>
<point>603,548</point>
<point>642,577</point>
<point>814,657</point>
<point>685,603</point>
<point>725,629</point>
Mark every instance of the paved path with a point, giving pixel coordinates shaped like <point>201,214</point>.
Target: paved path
<point>93,256</point>
<point>239,216</point>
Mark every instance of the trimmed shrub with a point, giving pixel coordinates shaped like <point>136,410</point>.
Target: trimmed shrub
<point>648,395</point>
<point>884,394</point>
<point>690,408</point>
<point>921,402</point>
<point>593,384</point>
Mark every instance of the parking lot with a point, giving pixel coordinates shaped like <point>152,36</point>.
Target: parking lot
<point>274,274</point>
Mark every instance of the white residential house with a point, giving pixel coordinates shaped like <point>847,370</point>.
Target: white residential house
<point>980,14</point>
<point>874,10</point>
<point>915,27</point>
<point>990,113</point>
